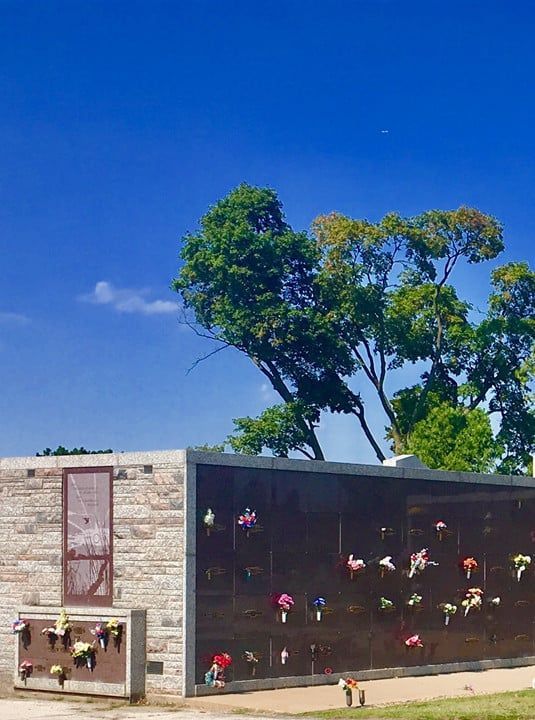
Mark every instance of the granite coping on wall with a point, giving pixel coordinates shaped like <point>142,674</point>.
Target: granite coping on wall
<point>149,457</point>
<point>320,466</point>
<point>379,674</point>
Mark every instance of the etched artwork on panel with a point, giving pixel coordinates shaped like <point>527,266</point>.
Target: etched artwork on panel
<point>87,564</point>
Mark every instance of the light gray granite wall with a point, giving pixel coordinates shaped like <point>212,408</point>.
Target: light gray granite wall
<point>148,547</point>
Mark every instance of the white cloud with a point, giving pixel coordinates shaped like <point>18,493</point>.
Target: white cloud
<point>13,318</point>
<point>128,300</point>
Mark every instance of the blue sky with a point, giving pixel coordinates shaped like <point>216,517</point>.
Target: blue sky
<point>122,121</point>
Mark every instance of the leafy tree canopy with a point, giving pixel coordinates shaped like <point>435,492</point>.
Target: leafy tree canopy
<point>60,450</point>
<point>320,313</point>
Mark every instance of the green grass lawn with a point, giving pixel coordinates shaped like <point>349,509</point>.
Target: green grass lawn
<point>504,706</point>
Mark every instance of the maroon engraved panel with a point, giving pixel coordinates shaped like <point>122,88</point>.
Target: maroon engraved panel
<point>87,536</point>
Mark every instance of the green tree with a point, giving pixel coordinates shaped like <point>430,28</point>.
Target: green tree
<point>352,302</point>
<point>60,450</point>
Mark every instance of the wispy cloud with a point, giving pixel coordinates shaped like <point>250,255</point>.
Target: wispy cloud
<point>128,300</point>
<point>13,318</point>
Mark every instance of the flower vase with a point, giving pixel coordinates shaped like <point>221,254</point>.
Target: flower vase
<point>284,615</point>
<point>318,615</point>
<point>89,662</point>
<point>467,610</point>
<point>207,532</point>
<point>349,698</point>
<point>102,642</point>
<point>362,697</point>
<point>519,574</point>
<point>446,620</point>
<point>468,573</point>
<point>439,533</point>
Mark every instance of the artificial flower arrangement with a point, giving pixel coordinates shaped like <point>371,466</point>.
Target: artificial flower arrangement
<point>386,605</point>
<point>319,603</point>
<point>440,529</point>
<point>100,631</point>
<point>215,677</point>
<point>469,566</point>
<point>59,670</point>
<point>60,629</point>
<point>472,600</point>
<point>209,520</point>
<point>252,660</point>
<point>25,669</point>
<point>348,685</point>
<point>386,565</point>
<point>355,565</point>
<point>415,601</point>
<point>22,628</point>
<point>419,561</point>
<point>520,564</point>
<point>83,654</point>
<point>247,520</point>
<point>449,609</point>
<point>115,629</point>
<point>284,604</point>
<point>413,641</point>
<point>19,626</point>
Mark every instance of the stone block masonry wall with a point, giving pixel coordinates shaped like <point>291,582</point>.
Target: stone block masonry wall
<point>148,558</point>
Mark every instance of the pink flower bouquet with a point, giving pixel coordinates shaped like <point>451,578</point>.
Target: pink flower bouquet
<point>285,603</point>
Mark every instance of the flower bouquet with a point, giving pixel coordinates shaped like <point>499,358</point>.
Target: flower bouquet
<point>413,641</point>
<point>319,603</point>
<point>520,564</point>
<point>415,601</point>
<point>355,566</point>
<point>448,609</point>
<point>60,672</point>
<point>285,603</point>
<point>100,631</point>
<point>83,654</point>
<point>209,520</point>
<point>419,561</point>
<point>252,660</point>
<point>472,600</point>
<point>215,677</point>
<point>386,565</point>
<point>115,629</point>
<point>60,629</point>
<point>25,670</point>
<point>247,520</point>
<point>348,685</point>
<point>19,626</point>
<point>440,529</point>
<point>22,628</point>
<point>386,605</point>
<point>469,565</point>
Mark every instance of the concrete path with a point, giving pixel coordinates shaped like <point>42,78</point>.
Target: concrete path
<point>27,709</point>
<point>378,692</point>
<point>273,702</point>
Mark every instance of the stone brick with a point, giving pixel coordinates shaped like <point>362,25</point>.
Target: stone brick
<point>148,553</point>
